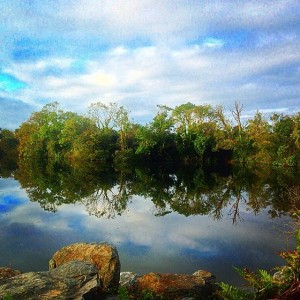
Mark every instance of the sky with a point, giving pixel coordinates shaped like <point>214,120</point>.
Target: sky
<point>140,54</point>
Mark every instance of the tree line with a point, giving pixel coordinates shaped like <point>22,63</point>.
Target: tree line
<point>185,134</point>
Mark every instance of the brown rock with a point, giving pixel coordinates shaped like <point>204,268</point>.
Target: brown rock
<point>8,272</point>
<point>175,286</point>
<point>104,256</point>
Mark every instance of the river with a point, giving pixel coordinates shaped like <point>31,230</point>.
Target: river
<point>161,221</point>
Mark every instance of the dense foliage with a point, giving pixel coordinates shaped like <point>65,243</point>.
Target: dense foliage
<point>8,149</point>
<point>186,134</point>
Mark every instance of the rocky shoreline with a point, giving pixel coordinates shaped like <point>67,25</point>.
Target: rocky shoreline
<point>92,271</point>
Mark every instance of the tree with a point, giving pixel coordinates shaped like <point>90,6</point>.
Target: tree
<point>223,133</point>
<point>183,118</point>
<point>284,147</point>
<point>123,125</point>
<point>8,143</point>
<point>8,151</point>
<point>241,143</point>
<point>111,117</point>
<point>237,115</point>
<point>259,132</point>
<point>53,134</point>
<point>104,115</point>
<point>157,140</point>
<point>38,137</point>
<point>77,138</point>
<point>195,126</point>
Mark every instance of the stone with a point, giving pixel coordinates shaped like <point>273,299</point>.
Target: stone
<point>103,255</point>
<point>207,276</point>
<point>73,280</point>
<point>128,279</point>
<point>175,286</point>
<point>8,272</point>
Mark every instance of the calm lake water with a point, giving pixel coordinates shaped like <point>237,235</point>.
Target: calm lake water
<point>159,221</point>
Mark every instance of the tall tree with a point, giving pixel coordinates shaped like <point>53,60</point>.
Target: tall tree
<point>258,130</point>
<point>39,135</point>
<point>104,115</point>
<point>157,139</point>
<point>108,117</point>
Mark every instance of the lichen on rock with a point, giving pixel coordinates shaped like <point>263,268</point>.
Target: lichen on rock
<point>103,255</point>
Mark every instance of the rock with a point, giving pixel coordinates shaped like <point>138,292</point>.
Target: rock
<point>52,264</point>
<point>103,255</point>
<point>8,272</point>
<point>92,271</point>
<point>207,276</point>
<point>174,286</point>
<point>73,280</point>
<point>128,279</point>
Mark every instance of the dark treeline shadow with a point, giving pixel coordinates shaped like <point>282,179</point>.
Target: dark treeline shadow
<point>106,192</point>
<point>7,167</point>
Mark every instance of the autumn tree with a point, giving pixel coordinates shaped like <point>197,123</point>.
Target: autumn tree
<point>38,137</point>
<point>284,140</point>
<point>53,134</point>
<point>258,131</point>
<point>78,138</point>
<point>224,130</point>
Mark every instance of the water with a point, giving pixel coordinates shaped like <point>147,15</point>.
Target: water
<point>159,221</point>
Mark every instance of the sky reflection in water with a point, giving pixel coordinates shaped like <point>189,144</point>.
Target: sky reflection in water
<point>172,243</point>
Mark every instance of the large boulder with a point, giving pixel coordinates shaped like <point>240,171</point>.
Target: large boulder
<point>73,280</point>
<point>103,255</point>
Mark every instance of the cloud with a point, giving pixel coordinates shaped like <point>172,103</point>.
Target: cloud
<point>141,53</point>
<point>158,75</point>
<point>112,22</point>
<point>13,112</point>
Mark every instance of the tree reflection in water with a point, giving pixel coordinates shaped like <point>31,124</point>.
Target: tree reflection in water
<point>106,192</point>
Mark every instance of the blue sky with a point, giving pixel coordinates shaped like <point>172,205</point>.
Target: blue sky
<point>143,53</point>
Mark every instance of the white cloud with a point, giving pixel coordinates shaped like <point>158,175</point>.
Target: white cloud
<point>156,21</point>
<point>155,75</point>
<point>144,53</point>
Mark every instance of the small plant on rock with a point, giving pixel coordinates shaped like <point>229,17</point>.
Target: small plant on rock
<point>123,293</point>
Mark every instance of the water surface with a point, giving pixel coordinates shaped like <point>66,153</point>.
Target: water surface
<point>159,221</point>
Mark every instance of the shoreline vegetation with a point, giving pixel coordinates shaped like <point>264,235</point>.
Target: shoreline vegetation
<point>188,134</point>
